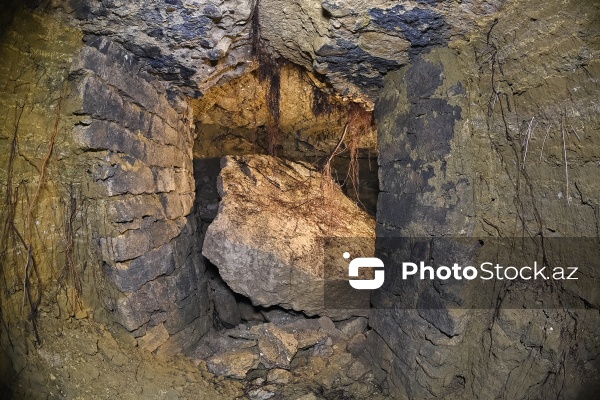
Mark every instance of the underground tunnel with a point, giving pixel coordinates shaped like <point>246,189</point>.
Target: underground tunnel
<point>186,186</point>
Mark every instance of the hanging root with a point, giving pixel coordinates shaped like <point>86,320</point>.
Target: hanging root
<point>562,127</point>
<point>527,139</point>
<point>269,72</point>
<point>336,151</point>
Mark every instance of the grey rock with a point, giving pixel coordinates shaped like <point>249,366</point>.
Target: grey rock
<point>130,176</point>
<point>145,268</point>
<point>357,370</point>
<point>308,332</point>
<point>352,326</point>
<point>249,313</point>
<point>279,316</point>
<point>357,344</point>
<point>322,349</point>
<point>280,376</point>
<point>260,394</point>
<point>212,11</point>
<point>221,344</point>
<point>225,303</point>
<point>184,312</point>
<point>242,334</point>
<point>170,38</point>
<point>235,364</point>
<point>327,324</point>
<point>309,338</point>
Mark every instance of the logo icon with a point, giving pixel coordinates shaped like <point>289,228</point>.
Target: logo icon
<point>365,262</point>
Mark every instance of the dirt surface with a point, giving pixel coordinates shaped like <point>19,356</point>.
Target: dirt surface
<point>83,359</point>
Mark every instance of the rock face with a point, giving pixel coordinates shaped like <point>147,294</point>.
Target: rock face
<point>267,237</point>
<point>454,162</point>
<point>29,119</point>
<point>355,43</point>
<point>195,44</point>
<point>139,161</point>
<point>191,44</point>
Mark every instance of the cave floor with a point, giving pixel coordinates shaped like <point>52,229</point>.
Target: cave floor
<point>83,359</point>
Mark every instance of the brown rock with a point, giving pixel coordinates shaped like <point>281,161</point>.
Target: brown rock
<point>278,375</point>
<point>277,347</point>
<point>234,364</point>
<point>267,239</point>
<point>154,338</point>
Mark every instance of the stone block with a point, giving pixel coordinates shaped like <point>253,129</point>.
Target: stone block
<point>125,247</point>
<point>134,178</point>
<point>183,282</point>
<point>163,133</point>
<point>165,156</point>
<point>181,313</point>
<point>225,303</point>
<point>130,277</point>
<point>184,245</point>
<point>177,204</point>
<point>100,101</point>
<point>128,208</point>
<point>114,65</point>
<point>163,231</point>
<point>154,338</point>
<point>132,311</point>
<point>184,179</point>
<point>135,118</point>
<point>106,135</point>
<point>235,364</point>
<point>277,347</point>
<point>165,179</point>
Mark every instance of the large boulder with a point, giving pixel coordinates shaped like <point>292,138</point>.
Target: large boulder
<point>268,237</point>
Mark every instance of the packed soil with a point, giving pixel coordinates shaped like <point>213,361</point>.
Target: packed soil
<point>84,359</point>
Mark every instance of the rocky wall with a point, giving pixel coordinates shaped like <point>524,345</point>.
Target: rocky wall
<point>495,136</point>
<point>137,141</point>
<point>191,45</point>
<point>353,44</point>
<point>42,250</point>
<point>41,208</point>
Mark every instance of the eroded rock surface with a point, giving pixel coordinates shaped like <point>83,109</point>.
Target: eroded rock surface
<point>473,143</point>
<point>191,44</point>
<point>355,43</point>
<point>267,238</point>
